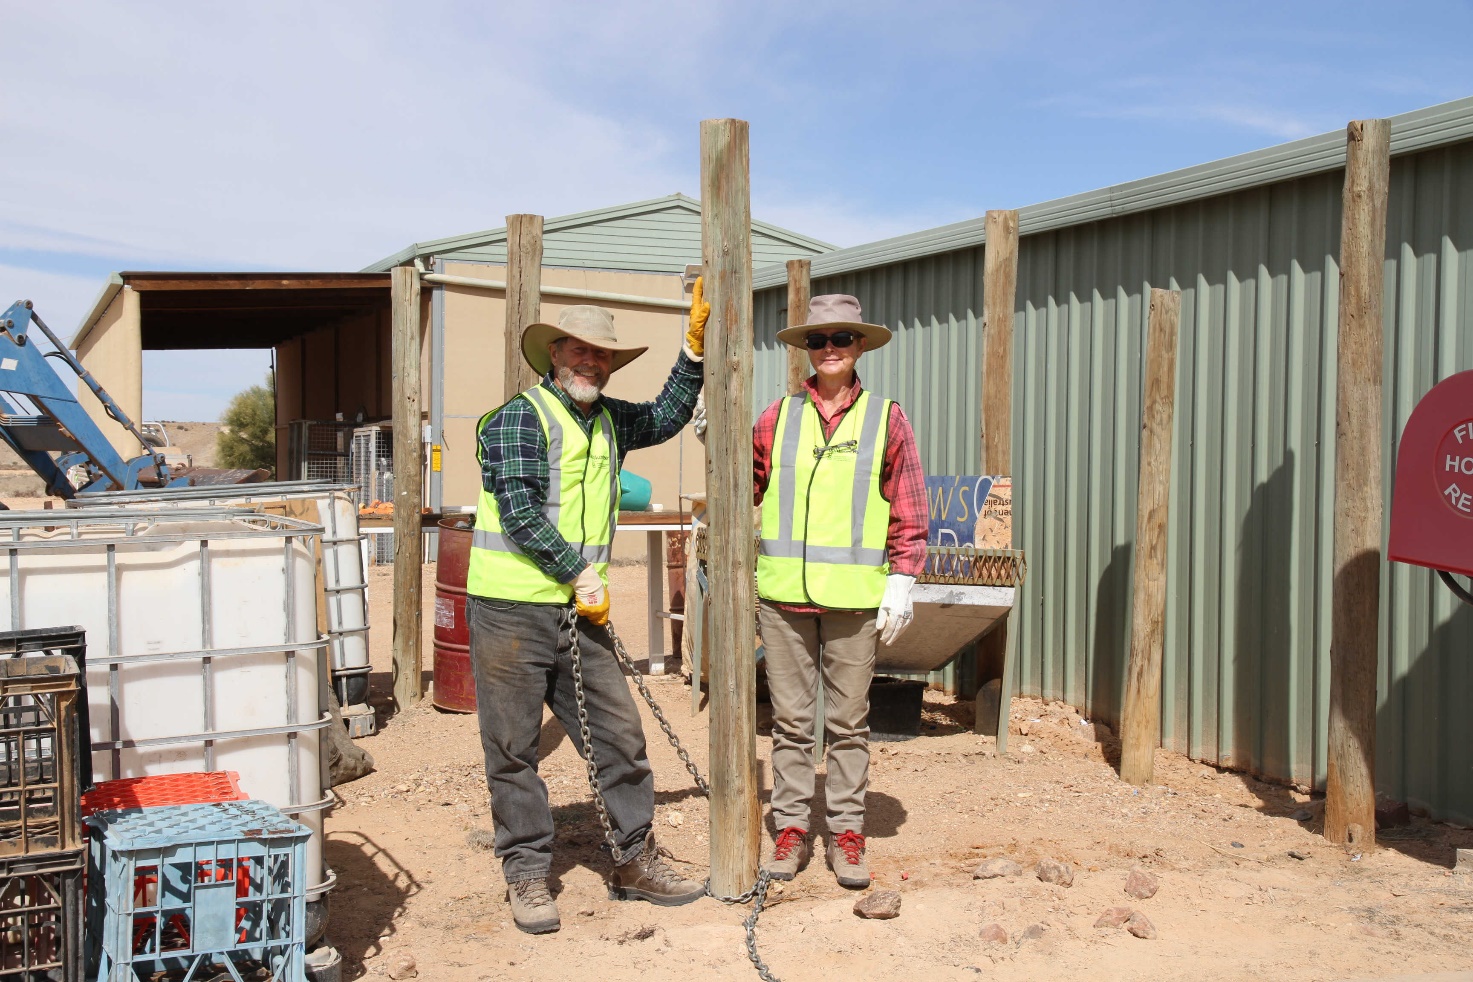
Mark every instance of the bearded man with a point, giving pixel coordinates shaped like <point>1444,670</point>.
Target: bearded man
<point>544,533</point>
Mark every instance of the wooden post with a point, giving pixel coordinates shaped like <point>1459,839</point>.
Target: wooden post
<point>999,302</point>
<point>1140,716</point>
<point>1350,788</point>
<point>799,287</point>
<point>523,297</point>
<point>408,486</point>
<point>726,246</point>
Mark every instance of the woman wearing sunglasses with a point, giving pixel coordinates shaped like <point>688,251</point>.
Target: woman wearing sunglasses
<point>836,472</point>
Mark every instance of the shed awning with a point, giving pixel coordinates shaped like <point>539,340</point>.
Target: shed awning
<point>241,310</point>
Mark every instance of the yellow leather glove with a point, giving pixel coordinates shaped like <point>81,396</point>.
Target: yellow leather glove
<point>591,596</point>
<point>700,311</point>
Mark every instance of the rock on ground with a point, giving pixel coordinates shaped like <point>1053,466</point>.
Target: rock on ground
<point>1114,917</point>
<point>402,967</point>
<point>1053,871</point>
<point>994,868</point>
<point>1141,926</point>
<point>1141,885</point>
<point>880,905</point>
<point>994,934</point>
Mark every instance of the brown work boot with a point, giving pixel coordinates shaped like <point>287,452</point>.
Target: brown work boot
<point>649,877</point>
<point>846,859</point>
<point>790,854</point>
<point>532,907</point>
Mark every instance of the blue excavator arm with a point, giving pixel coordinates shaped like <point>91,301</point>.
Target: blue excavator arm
<point>62,426</point>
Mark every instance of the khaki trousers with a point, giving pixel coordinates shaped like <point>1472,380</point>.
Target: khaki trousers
<point>839,647</point>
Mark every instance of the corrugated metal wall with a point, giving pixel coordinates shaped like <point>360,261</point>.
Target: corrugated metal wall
<point>1246,677</point>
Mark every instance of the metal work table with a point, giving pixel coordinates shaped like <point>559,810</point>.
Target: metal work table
<point>652,524</point>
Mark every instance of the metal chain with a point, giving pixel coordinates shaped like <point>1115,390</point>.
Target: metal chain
<point>758,890</point>
<point>583,732</point>
<point>659,714</point>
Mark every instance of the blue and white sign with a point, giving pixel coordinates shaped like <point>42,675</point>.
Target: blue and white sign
<point>954,503</point>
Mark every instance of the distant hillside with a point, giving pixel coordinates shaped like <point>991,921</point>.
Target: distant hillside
<point>196,439</point>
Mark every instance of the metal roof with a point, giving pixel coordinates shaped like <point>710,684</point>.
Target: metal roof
<point>1417,130</point>
<point>661,235</point>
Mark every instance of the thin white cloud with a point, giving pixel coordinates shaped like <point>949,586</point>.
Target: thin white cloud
<point>60,299</point>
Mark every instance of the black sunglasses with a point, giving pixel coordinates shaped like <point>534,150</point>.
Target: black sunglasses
<point>840,339</point>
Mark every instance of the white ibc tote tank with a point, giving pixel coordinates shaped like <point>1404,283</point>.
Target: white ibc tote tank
<point>202,644</point>
<point>344,571</point>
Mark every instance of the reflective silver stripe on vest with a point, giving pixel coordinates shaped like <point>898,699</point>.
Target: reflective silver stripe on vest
<point>841,556</point>
<point>552,507</point>
<point>493,541</point>
<point>864,468</point>
<point>788,461</point>
<point>501,542</point>
<point>608,431</point>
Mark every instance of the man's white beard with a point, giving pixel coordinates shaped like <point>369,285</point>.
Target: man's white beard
<point>580,388</point>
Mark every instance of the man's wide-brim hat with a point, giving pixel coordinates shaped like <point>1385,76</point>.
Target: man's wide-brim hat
<point>836,312</point>
<point>586,323</point>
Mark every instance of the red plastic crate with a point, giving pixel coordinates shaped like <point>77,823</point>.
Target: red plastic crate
<point>194,788</point>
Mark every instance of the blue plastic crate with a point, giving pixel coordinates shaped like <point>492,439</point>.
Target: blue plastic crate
<point>184,888</point>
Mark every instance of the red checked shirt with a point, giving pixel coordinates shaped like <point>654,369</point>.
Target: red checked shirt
<point>902,482</point>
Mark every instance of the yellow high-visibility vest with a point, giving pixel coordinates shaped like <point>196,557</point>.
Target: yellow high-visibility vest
<point>582,504</point>
<point>824,521</point>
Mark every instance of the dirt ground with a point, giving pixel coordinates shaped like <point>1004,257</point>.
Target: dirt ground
<point>414,879</point>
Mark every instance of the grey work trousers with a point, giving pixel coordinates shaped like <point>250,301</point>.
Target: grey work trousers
<point>521,658</point>
<point>839,648</point>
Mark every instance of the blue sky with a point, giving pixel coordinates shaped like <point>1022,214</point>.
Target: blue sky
<point>326,135</point>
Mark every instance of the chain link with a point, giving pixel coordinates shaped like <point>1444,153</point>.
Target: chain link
<point>588,757</point>
<point>644,690</point>
<point>758,891</point>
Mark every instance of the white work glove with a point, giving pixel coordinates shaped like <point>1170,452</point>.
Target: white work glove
<point>591,596</point>
<point>698,418</point>
<point>895,610</point>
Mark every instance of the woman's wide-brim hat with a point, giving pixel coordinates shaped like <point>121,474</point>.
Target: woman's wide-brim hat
<point>836,311</point>
<point>584,322</point>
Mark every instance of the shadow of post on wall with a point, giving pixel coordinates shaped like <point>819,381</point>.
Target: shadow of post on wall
<point>1110,653</point>
<point>1260,741</point>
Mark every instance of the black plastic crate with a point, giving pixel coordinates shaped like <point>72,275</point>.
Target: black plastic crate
<point>41,917</point>
<point>40,796</point>
<point>895,708</point>
<point>71,641</point>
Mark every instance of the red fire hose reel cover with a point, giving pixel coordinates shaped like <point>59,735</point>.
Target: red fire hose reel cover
<point>1432,506</point>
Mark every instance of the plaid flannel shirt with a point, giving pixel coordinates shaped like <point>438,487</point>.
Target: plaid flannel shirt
<point>513,454</point>
<point>902,482</point>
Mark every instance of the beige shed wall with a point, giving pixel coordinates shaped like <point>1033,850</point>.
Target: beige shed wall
<point>113,353</point>
<point>474,361</point>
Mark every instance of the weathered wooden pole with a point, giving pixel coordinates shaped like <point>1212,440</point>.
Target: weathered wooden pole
<point>1140,716</point>
<point>1350,788</point>
<point>408,485</point>
<point>799,289</point>
<point>523,297</point>
<point>726,248</point>
<point>999,301</point>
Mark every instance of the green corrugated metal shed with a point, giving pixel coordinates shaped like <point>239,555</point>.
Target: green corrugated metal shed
<point>661,235</point>
<point>1253,243</point>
